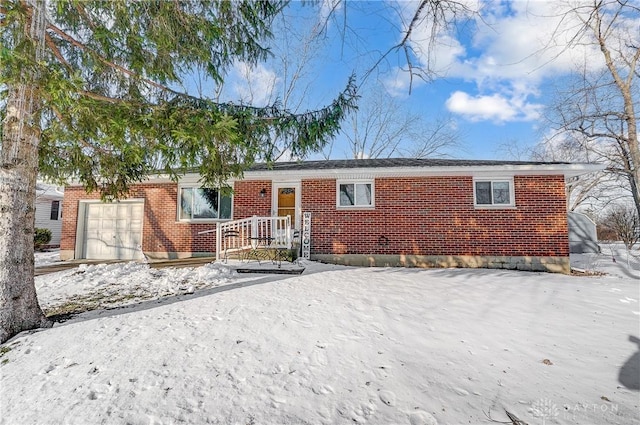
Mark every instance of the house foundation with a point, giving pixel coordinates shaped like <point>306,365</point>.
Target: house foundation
<point>534,264</point>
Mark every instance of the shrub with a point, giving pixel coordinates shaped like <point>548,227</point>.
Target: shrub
<point>41,237</point>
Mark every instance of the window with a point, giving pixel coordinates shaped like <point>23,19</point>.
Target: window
<point>355,195</point>
<point>203,204</point>
<point>55,210</point>
<point>494,193</point>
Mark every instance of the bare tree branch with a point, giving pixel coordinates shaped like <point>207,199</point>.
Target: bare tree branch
<point>599,110</point>
<point>440,15</point>
<point>382,127</point>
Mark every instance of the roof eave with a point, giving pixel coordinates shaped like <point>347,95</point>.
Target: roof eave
<point>568,170</point>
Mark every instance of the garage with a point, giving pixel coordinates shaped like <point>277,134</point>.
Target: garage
<point>111,231</point>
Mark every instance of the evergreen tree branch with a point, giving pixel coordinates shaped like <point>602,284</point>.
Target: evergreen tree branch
<point>56,52</point>
<point>107,62</point>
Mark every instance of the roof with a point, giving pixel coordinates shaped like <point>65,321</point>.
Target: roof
<point>405,167</point>
<point>396,167</point>
<point>343,164</point>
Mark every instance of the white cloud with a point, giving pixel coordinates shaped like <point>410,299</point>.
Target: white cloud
<point>508,54</point>
<point>328,7</point>
<point>398,84</point>
<point>495,107</point>
<point>527,43</point>
<point>255,85</point>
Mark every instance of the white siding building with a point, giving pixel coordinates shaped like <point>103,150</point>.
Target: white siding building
<point>49,210</point>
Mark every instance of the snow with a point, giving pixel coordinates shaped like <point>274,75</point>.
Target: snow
<point>335,345</point>
<point>111,285</point>
<point>44,258</point>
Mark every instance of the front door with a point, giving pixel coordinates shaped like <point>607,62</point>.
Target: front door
<point>286,201</point>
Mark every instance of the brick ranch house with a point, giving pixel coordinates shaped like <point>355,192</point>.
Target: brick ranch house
<point>376,212</point>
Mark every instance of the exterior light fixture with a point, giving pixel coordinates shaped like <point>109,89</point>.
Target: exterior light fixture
<point>263,192</point>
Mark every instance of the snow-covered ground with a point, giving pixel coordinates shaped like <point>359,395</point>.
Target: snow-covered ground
<point>43,258</point>
<point>334,345</point>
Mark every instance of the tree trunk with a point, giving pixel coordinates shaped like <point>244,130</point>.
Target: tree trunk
<point>632,141</point>
<point>634,150</point>
<point>634,179</point>
<point>19,308</point>
<point>625,86</point>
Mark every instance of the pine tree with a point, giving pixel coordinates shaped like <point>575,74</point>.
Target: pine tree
<point>94,91</point>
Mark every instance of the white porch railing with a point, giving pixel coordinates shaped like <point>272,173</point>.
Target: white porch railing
<point>243,235</point>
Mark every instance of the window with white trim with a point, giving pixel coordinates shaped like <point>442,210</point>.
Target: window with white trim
<point>357,194</point>
<point>199,203</point>
<point>496,193</point>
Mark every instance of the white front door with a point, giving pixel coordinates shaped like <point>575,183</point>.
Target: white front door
<point>113,231</point>
<point>286,201</point>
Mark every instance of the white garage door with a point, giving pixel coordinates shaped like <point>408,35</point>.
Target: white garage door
<point>113,231</point>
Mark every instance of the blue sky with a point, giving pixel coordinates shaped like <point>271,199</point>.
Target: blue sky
<point>493,76</point>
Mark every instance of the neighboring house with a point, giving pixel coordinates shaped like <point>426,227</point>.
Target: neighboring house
<point>378,212</point>
<point>49,211</point>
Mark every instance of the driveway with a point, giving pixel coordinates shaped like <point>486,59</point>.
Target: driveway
<point>71,264</point>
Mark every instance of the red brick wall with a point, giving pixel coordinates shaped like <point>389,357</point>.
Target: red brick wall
<point>247,201</point>
<point>161,231</point>
<point>422,216</point>
<point>436,216</point>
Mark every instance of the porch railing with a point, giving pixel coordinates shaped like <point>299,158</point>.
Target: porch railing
<point>243,235</point>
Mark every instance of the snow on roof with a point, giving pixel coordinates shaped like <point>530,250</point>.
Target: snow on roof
<point>48,191</point>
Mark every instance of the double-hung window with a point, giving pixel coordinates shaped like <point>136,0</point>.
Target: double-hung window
<point>55,210</point>
<point>356,194</point>
<point>494,193</point>
<point>198,203</point>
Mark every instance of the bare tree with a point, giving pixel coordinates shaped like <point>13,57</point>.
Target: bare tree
<point>382,127</point>
<point>599,110</point>
<point>624,223</point>
<point>593,191</point>
<point>514,149</point>
<point>589,192</point>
